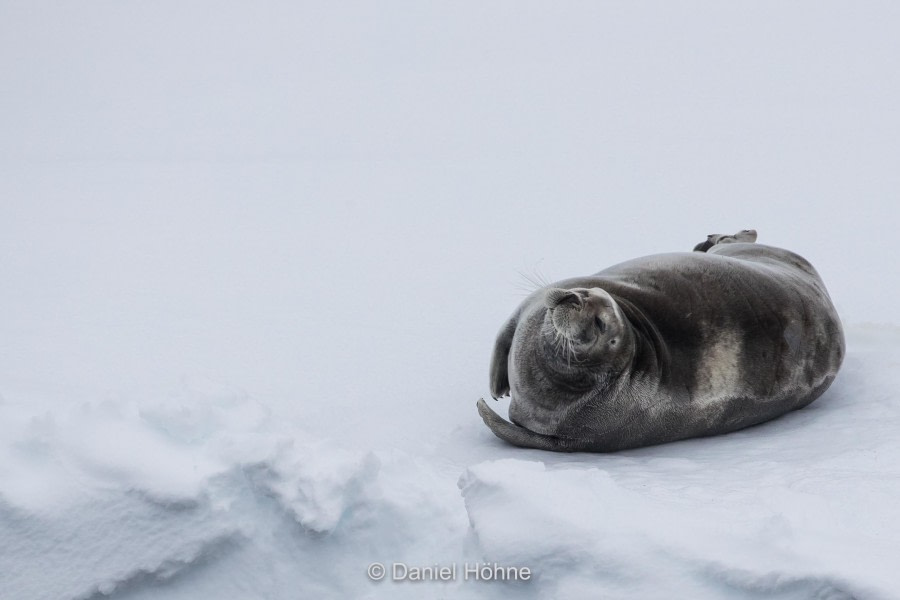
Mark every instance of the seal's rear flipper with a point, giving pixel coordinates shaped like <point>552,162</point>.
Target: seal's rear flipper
<point>519,436</point>
<point>745,235</point>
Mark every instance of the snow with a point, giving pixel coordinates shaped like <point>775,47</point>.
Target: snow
<point>206,493</point>
<point>254,260</point>
<point>807,512</point>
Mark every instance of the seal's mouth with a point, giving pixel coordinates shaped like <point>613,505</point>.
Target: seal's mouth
<point>576,324</point>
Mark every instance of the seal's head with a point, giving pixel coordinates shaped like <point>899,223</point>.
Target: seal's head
<point>585,325</point>
<point>565,351</point>
<point>562,344</point>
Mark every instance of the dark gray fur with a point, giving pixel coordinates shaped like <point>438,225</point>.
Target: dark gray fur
<point>711,341</point>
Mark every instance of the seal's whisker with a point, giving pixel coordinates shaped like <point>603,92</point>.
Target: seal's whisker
<point>574,352</point>
<point>533,282</point>
<point>525,289</point>
<point>559,342</point>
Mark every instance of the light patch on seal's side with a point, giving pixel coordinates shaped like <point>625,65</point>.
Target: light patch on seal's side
<point>718,374</point>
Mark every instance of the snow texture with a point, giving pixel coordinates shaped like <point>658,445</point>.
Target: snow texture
<point>207,494</point>
<point>253,260</point>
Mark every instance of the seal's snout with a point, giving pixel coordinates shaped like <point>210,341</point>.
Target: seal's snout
<point>582,316</point>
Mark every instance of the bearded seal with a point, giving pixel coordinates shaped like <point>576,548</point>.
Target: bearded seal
<point>666,347</point>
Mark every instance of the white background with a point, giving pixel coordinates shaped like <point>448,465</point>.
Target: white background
<point>334,206</point>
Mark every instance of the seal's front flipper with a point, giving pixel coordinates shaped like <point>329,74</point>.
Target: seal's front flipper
<point>519,436</point>
<point>744,235</point>
<point>500,359</point>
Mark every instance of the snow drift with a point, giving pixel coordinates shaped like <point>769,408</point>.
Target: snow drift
<point>203,493</point>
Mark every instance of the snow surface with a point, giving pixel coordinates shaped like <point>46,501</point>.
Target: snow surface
<point>207,493</point>
<point>254,259</point>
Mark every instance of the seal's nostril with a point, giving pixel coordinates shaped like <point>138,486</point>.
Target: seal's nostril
<point>571,300</point>
<point>558,297</point>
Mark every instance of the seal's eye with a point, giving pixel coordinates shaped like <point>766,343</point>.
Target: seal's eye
<point>600,324</point>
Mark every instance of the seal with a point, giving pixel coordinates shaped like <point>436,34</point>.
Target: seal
<point>666,347</point>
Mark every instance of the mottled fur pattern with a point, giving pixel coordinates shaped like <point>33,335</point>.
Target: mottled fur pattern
<point>666,347</point>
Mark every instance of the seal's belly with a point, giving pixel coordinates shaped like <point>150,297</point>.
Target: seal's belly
<point>719,373</point>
